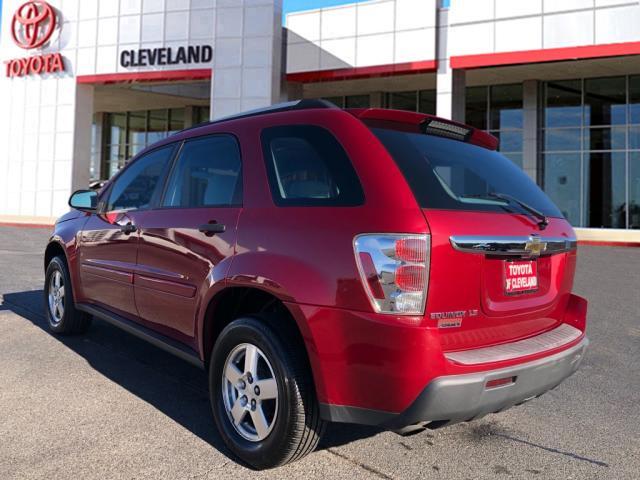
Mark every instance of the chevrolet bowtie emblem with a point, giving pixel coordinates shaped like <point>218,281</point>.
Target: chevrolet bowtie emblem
<point>535,246</point>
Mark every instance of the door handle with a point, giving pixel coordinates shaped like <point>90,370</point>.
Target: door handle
<point>212,228</point>
<point>128,228</point>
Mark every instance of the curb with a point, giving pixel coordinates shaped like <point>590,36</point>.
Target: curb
<point>26,225</point>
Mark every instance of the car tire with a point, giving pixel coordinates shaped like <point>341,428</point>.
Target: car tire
<point>289,426</point>
<point>60,311</point>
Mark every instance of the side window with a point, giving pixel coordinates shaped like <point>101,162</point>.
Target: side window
<point>135,187</point>
<point>207,174</point>
<point>308,167</point>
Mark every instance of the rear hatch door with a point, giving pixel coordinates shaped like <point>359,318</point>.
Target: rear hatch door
<point>501,267</point>
<point>483,268</point>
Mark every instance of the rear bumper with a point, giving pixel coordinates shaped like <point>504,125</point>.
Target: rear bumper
<point>457,398</point>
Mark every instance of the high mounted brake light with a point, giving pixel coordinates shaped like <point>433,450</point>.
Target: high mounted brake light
<point>445,129</point>
<point>458,131</point>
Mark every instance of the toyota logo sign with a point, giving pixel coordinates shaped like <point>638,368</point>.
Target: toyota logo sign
<point>33,24</point>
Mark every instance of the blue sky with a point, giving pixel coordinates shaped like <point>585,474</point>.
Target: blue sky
<point>298,5</point>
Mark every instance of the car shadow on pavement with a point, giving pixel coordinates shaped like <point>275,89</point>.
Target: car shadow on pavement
<point>174,387</point>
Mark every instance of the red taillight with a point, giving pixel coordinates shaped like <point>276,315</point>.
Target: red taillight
<point>411,249</point>
<point>410,278</point>
<point>394,269</point>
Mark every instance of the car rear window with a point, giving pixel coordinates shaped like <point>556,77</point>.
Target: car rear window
<point>454,175</point>
<point>308,167</point>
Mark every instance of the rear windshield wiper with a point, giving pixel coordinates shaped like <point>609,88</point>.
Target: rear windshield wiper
<point>543,220</point>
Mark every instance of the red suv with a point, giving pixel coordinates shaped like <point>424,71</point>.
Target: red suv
<point>368,266</point>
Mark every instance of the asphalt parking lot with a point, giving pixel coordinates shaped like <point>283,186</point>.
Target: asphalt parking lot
<point>106,405</point>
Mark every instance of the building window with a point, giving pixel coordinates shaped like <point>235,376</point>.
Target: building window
<point>477,107</point>
<point>562,182</point>
<point>94,167</point>
<point>403,100</point>
<point>357,101</point>
<point>337,101</point>
<point>590,150</point>
<point>427,101</point>
<point>422,101</point>
<point>351,101</point>
<point>115,152</point>
<point>498,109</point>
<point>604,173</point>
<point>201,114</point>
<point>157,126</point>
<point>126,134</point>
<point>633,187</point>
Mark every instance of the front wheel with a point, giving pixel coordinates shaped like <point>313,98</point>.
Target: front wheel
<point>61,313</point>
<point>262,394</point>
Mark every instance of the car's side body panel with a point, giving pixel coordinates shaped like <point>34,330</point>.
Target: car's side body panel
<point>177,265</point>
<point>106,262</point>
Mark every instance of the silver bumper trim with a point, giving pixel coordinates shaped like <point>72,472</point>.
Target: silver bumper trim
<point>555,338</point>
<point>459,398</point>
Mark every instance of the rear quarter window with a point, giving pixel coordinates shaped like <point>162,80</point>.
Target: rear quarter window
<point>307,166</point>
<point>453,175</point>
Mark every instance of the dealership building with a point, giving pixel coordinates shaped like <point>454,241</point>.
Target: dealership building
<point>86,84</point>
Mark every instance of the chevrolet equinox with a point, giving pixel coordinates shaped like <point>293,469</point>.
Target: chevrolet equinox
<point>368,266</point>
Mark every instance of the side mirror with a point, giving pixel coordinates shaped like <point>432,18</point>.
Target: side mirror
<point>84,200</point>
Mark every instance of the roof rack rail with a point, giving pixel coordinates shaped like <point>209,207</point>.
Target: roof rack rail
<point>278,107</point>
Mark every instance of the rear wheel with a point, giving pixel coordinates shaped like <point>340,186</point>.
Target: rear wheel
<point>62,316</point>
<point>262,394</point>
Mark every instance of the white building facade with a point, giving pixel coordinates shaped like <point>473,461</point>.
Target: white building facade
<point>557,81</point>
<point>127,66</point>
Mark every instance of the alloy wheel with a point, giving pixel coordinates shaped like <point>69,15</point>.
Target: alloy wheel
<point>250,392</point>
<point>56,297</point>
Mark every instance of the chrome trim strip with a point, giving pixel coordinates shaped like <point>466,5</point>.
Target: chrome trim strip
<point>531,246</point>
<point>507,351</point>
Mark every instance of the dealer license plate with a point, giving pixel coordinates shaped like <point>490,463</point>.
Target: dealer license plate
<point>520,277</point>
